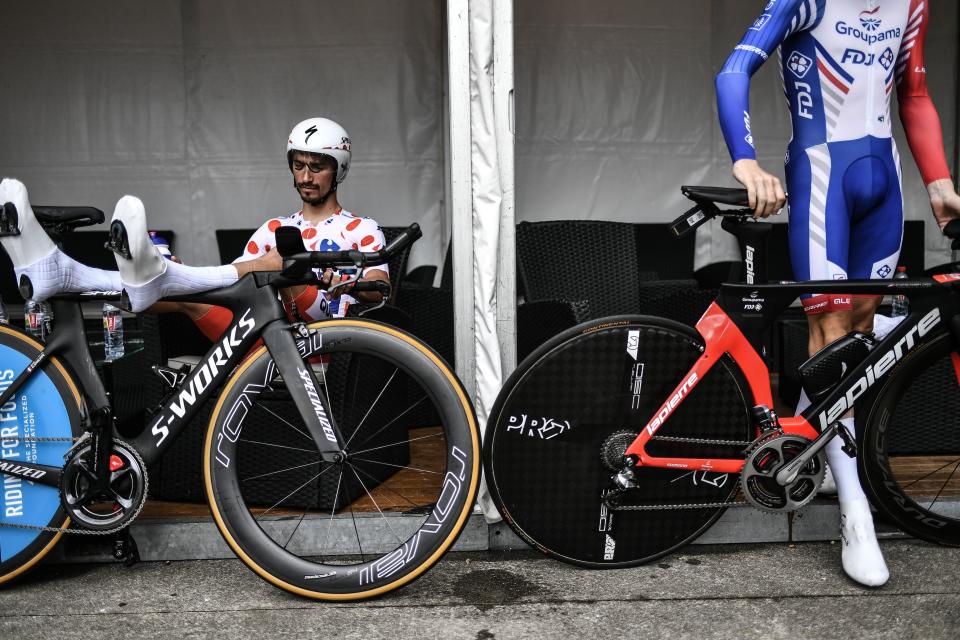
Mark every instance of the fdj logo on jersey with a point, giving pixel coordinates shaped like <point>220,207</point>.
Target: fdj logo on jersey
<point>855,56</point>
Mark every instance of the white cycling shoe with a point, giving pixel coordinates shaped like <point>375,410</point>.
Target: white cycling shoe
<point>146,275</point>
<point>42,269</point>
<point>861,555</point>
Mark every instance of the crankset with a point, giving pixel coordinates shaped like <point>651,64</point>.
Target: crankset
<point>770,454</point>
<point>115,506</point>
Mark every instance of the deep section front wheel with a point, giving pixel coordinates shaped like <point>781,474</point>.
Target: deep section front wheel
<point>36,425</point>
<point>910,452</point>
<point>564,418</point>
<point>386,513</point>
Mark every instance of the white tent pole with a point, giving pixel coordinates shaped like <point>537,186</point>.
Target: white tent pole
<point>504,129</point>
<point>460,205</point>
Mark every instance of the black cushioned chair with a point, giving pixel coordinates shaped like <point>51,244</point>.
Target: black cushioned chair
<point>570,271</point>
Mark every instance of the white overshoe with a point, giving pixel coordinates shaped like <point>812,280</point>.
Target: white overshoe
<point>861,555</point>
<point>36,258</point>
<point>829,485</point>
<point>147,276</point>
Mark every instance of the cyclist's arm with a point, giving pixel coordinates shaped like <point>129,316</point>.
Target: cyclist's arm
<point>920,119</point>
<point>733,81</point>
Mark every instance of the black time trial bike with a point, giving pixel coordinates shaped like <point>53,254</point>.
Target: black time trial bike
<point>625,438</point>
<point>286,419</point>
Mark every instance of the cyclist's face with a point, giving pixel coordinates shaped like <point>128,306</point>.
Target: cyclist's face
<point>313,175</point>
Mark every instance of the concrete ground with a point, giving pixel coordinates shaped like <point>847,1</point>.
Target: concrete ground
<point>769,591</point>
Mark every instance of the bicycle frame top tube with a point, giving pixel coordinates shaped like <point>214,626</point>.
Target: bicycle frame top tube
<point>935,310</point>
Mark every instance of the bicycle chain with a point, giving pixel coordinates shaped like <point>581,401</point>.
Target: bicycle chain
<point>667,507</point>
<point>732,443</point>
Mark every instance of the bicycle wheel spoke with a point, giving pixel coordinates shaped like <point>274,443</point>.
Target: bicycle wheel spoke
<point>284,421</point>
<point>356,531</point>
<point>390,489</point>
<point>384,427</point>
<point>371,407</point>
<point>333,510</point>
<point>278,446</point>
<point>376,506</point>
<point>397,466</point>
<point>292,493</point>
<point>924,477</point>
<point>273,473</point>
<point>439,434</point>
<point>950,477</point>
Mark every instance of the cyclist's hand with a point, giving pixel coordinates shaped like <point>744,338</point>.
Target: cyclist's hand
<point>270,261</point>
<point>764,189</point>
<point>944,201</point>
<point>329,279</point>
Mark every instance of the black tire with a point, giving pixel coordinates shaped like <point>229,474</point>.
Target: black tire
<point>377,378</point>
<point>910,458</point>
<point>52,394</point>
<point>543,441</point>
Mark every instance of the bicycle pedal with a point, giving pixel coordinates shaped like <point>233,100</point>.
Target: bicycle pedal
<point>118,242</point>
<point>9,220</point>
<point>173,377</point>
<point>849,445</point>
<point>125,549</point>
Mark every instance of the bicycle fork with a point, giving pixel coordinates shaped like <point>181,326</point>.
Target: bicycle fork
<point>308,395</point>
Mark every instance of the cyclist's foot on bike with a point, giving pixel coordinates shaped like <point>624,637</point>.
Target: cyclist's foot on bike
<point>42,269</point>
<point>862,558</point>
<point>829,485</point>
<point>145,274</point>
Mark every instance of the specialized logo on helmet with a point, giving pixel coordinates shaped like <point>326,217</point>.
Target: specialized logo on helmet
<point>869,20</point>
<point>799,64</point>
<point>312,130</point>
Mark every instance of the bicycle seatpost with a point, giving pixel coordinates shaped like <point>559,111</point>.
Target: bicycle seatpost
<point>752,238</point>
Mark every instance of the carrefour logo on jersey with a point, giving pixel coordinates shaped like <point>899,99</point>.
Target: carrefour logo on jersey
<point>868,35</point>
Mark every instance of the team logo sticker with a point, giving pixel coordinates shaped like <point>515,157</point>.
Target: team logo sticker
<point>799,64</point>
<point>869,20</point>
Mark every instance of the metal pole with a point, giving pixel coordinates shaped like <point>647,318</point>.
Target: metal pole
<point>461,189</point>
<point>504,126</point>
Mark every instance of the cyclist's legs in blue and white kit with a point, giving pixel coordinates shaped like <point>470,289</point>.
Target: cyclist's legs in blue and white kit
<point>846,217</point>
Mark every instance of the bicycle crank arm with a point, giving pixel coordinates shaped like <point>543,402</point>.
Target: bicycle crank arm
<point>38,473</point>
<point>789,473</point>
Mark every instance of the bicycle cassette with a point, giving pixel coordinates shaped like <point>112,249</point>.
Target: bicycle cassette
<point>118,504</point>
<point>768,456</point>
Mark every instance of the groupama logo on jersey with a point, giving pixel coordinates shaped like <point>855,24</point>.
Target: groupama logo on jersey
<point>870,33</point>
<point>869,20</point>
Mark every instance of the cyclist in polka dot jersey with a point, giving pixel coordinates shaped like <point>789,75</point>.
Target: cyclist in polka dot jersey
<point>318,154</point>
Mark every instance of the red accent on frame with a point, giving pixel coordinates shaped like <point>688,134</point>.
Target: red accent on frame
<point>116,463</point>
<point>721,336</point>
<point>947,277</point>
<point>956,365</point>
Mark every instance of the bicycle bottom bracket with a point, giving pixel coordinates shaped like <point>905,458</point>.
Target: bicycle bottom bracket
<point>118,503</point>
<point>765,459</point>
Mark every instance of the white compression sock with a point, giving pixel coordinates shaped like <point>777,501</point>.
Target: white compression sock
<point>35,256</point>
<point>148,276</point>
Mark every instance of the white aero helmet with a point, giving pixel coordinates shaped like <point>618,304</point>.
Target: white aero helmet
<point>322,136</point>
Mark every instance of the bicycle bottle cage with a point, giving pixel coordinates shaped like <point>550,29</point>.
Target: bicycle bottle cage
<point>824,369</point>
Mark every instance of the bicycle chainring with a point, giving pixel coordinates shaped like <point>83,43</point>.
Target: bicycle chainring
<point>118,504</point>
<point>765,458</point>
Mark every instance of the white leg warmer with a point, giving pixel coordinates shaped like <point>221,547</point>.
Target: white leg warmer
<point>148,276</point>
<point>35,256</point>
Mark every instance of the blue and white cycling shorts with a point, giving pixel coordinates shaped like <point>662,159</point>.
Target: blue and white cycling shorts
<point>845,214</point>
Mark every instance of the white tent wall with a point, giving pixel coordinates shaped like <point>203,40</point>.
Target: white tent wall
<point>616,109</point>
<point>187,104</point>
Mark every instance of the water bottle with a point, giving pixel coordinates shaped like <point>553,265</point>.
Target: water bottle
<point>38,319</point>
<point>112,332</point>
<point>901,306</point>
<point>161,243</point>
